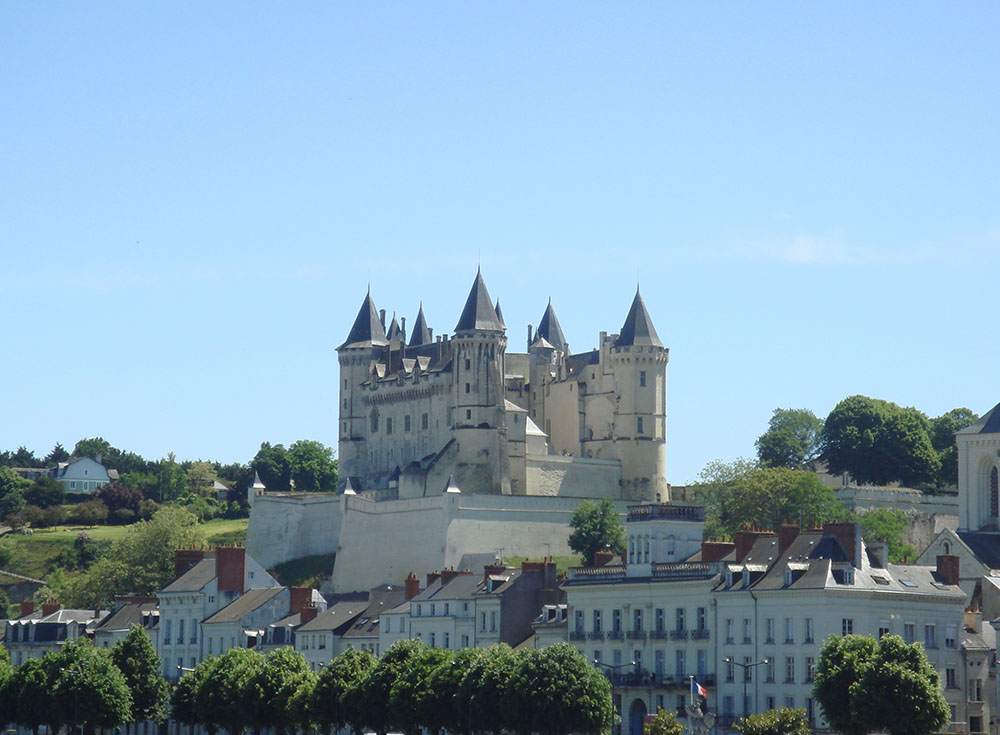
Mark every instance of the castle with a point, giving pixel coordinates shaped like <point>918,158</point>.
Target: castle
<point>443,461</point>
<point>414,412</point>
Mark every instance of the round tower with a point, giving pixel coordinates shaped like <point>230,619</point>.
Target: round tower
<point>364,344</point>
<point>639,362</point>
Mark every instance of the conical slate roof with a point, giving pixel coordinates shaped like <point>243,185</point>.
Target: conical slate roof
<point>500,315</point>
<point>638,327</point>
<point>550,330</point>
<point>394,331</point>
<point>367,329</point>
<point>421,334</point>
<point>479,313</point>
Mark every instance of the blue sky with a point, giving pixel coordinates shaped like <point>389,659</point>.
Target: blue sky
<point>194,198</point>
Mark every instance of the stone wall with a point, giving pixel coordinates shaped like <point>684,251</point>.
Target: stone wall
<point>286,526</point>
<point>576,477</point>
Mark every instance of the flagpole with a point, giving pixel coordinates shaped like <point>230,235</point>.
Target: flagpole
<point>691,690</point>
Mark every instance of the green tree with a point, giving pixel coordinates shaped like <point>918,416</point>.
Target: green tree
<point>313,467</point>
<point>446,710</point>
<point>4,607</point>
<point>376,687</point>
<point>663,723</point>
<point>841,664</point>
<point>201,478</point>
<point>483,689</point>
<point>89,690</point>
<point>57,455</point>
<point>274,687</point>
<point>274,467</point>
<point>878,442</point>
<point>7,703</point>
<point>29,696</point>
<point>942,435</point>
<point>90,512</point>
<point>45,492</point>
<point>96,447</point>
<point>412,699</point>
<point>136,657</point>
<point>888,525</point>
<point>791,439</point>
<point>554,691</point>
<point>781,721</point>
<point>170,480</point>
<point>889,686</point>
<point>595,525</point>
<point>222,699</point>
<point>12,489</point>
<point>24,457</point>
<point>332,704</point>
<point>899,693</point>
<point>184,697</point>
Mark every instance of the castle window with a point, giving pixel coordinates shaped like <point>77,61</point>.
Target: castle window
<point>642,378</point>
<point>406,423</point>
<point>638,425</point>
<point>468,364</point>
<point>374,420</point>
<point>994,494</point>
<point>468,413</point>
<point>468,387</point>
<point>423,421</point>
<point>388,425</point>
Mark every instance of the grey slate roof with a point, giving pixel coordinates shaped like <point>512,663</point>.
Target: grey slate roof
<point>989,423</point>
<point>550,329</point>
<point>459,587</point>
<point>367,329</point>
<point>394,331</point>
<point>421,334</point>
<point>194,578</point>
<point>638,327</point>
<point>244,605</point>
<point>336,616</point>
<point>382,599</point>
<point>985,546</point>
<point>479,313</point>
<point>126,616</point>
<point>500,315</point>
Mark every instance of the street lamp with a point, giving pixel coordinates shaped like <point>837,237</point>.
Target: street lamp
<point>612,667</point>
<point>746,667</point>
<point>76,696</point>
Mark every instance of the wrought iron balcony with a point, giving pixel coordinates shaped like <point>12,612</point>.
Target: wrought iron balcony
<point>577,635</point>
<point>596,635</point>
<point>615,635</point>
<point>658,635</point>
<point>700,635</point>
<point>636,635</point>
<point>678,635</point>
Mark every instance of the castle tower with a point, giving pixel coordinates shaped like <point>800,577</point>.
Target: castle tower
<point>364,343</point>
<point>639,362</point>
<point>479,420</point>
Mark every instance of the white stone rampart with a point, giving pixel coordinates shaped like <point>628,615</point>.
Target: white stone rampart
<point>286,526</point>
<point>381,542</point>
<point>865,498</point>
<point>576,477</point>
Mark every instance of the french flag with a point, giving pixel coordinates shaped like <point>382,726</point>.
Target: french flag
<point>697,690</point>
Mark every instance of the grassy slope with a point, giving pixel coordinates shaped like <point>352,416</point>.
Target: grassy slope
<point>35,555</point>
<point>309,571</point>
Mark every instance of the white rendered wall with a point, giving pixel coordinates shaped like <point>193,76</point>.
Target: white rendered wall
<point>285,527</point>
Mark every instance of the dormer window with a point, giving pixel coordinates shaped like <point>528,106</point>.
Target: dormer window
<point>848,575</point>
<point>746,577</point>
<point>788,577</point>
<point>729,577</point>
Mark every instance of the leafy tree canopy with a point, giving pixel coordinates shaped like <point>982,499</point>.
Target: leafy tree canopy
<point>274,467</point>
<point>888,525</point>
<point>24,457</point>
<point>663,723</point>
<point>56,455</point>
<point>942,435</point>
<point>791,439</point>
<point>313,467</point>
<point>333,704</point>
<point>136,657</point>
<point>879,442</point>
<point>744,494</point>
<point>781,721</point>
<point>89,690</point>
<point>595,525</point>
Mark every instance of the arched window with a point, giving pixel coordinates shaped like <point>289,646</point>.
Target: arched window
<point>994,495</point>
<point>947,547</point>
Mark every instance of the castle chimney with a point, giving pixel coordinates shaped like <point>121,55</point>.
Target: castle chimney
<point>529,335</point>
<point>307,613</point>
<point>948,568</point>
<point>298,598</point>
<point>787,533</point>
<point>402,329</point>
<point>449,574</point>
<point>412,586</point>
<point>432,577</point>
<point>849,536</point>
<point>878,552</point>
<point>27,607</point>
<point>493,569</point>
<point>184,559</point>
<point>50,607</point>
<point>715,550</point>
<point>745,539</point>
<point>230,568</point>
<point>381,318</point>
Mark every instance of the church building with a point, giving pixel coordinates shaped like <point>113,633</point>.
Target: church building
<point>420,410</point>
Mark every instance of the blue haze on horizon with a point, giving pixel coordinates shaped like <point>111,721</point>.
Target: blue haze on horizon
<point>195,197</point>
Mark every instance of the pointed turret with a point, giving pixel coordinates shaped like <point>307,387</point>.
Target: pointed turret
<point>500,315</point>
<point>479,313</point>
<point>394,331</point>
<point>367,330</point>
<point>421,334</point>
<point>638,327</point>
<point>550,330</point>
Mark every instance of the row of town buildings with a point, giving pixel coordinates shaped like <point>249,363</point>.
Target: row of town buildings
<point>745,618</point>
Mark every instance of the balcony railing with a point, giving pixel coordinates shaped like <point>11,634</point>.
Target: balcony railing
<point>597,635</point>
<point>650,679</point>
<point>700,635</point>
<point>636,635</point>
<point>577,635</point>
<point>678,635</point>
<point>615,635</point>
<point>658,635</point>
